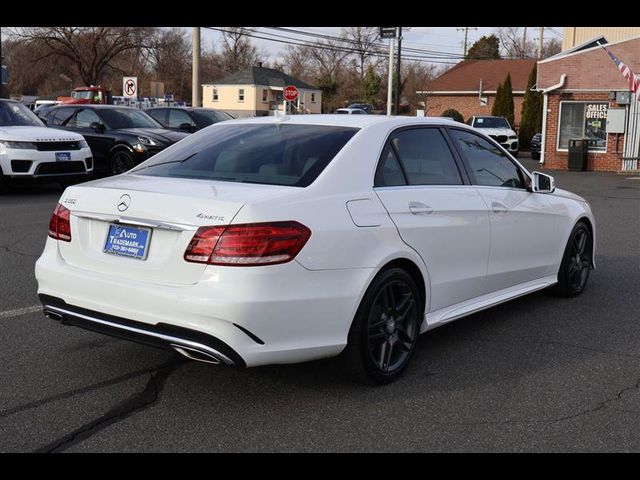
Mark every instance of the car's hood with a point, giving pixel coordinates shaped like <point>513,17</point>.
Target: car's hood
<point>497,131</point>
<point>558,192</point>
<point>38,134</point>
<point>161,135</point>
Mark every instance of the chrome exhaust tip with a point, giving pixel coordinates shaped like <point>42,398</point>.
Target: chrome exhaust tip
<point>53,315</point>
<point>196,354</point>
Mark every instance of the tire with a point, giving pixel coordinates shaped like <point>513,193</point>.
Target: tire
<point>576,262</point>
<point>535,156</point>
<point>121,161</point>
<point>379,345</point>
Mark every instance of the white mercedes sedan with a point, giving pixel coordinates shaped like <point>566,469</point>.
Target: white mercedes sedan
<point>286,239</point>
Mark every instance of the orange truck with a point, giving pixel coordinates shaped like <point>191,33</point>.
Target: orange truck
<point>92,94</point>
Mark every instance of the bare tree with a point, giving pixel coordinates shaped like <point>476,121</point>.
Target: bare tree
<point>169,57</point>
<point>364,41</point>
<point>511,42</point>
<point>91,50</point>
<point>327,62</point>
<point>238,52</point>
<point>552,47</point>
<point>296,61</point>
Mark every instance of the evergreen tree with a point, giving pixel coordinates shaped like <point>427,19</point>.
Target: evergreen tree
<point>496,109</point>
<point>503,105</point>
<point>454,114</point>
<point>371,85</point>
<point>531,111</point>
<point>486,48</point>
<point>509,107</point>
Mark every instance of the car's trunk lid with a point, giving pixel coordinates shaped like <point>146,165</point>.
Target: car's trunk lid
<point>171,208</point>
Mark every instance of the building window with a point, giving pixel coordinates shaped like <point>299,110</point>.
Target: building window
<point>265,94</point>
<point>583,120</point>
<point>215,94</point>
<point>313,98</point>
<point>241,94</point>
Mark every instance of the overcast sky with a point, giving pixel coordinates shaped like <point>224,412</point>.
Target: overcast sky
<point>446,40</point>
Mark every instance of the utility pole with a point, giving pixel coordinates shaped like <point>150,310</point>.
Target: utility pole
<point>195,82</point>
<point>390,84</point>
<point>524,42</point>
<point>466,36</point>
<point>540,42</point>
<point>397,102</point>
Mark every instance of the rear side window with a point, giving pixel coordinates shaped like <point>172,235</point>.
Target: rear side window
<point>60,116</point>
<point>424,156</point>
<point>273,154</point>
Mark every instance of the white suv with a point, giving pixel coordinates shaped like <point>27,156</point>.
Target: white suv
<point>499,129</point>
<point>29,150</point>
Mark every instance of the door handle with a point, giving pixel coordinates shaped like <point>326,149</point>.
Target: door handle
<point>417,208</point>
<point>499,207</point>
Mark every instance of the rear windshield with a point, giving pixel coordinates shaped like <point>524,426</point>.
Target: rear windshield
<point>273,154</point>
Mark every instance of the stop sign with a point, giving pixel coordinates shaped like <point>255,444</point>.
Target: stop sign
<point>290,93</point>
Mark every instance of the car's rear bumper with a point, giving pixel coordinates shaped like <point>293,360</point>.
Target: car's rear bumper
<point>274,314</point>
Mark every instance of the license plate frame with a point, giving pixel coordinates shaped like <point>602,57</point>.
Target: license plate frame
<point>124,249</point>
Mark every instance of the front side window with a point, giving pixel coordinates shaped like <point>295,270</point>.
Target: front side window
<point>159,114</point>
<point>271,154</point>
<point>215,94</point>
<point>425,157</point>
<point>241,94</point>
<point>583,120</point>
<point>487,164</point>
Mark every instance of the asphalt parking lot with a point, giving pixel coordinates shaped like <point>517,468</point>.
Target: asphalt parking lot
<point>537,374</point>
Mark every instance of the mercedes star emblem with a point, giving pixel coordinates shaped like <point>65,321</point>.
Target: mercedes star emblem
<point>124,202</point>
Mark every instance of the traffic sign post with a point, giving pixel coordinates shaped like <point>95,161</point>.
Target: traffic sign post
<point>387,32</point>
<point>290,94</point>
<point>130,87</point>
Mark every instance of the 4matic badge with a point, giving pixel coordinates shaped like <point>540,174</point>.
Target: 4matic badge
<point>210,217</point>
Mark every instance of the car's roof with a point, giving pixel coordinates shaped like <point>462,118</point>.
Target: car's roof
<point>9,100</point>
<point>357,121</point>
<point>94,106</point>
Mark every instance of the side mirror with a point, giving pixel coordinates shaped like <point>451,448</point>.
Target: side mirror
<point>97,127</point>
<point>542,183</point>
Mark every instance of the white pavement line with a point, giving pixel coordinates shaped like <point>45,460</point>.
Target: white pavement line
<point>20,311</point>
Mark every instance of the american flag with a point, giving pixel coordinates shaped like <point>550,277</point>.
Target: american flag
<point>632,78</point>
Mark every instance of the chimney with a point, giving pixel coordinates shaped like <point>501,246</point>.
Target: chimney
<point>259,64</point>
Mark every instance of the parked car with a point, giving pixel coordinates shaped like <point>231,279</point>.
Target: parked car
<point>499,129</point>
<point>187,119</point>
<point>286,239</point>
<point>534,146</point>
<point>350,111</point>
<point>367,107</point>
<point>120,137</point>
<point>29,150</point>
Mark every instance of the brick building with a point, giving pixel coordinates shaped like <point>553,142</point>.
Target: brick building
<point>462,86</point>
<point>582,89</point>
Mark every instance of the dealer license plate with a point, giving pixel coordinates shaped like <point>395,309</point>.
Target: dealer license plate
<point>128,241</point>
<point>63,156</point>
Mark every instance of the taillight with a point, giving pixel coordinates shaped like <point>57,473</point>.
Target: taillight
<point>60,224</point>
<point>247,245</point>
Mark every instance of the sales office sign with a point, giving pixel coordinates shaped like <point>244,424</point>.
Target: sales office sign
<point>596,114</point>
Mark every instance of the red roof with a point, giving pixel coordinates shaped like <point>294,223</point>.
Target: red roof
<point>466,75</point>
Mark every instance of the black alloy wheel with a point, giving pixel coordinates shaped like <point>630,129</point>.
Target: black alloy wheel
<point>385,331</point>
<point>121,161</point>
<point>576,263</point>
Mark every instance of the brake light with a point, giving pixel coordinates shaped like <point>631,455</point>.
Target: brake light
<point>251,244</point>
<point>60,224</point>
